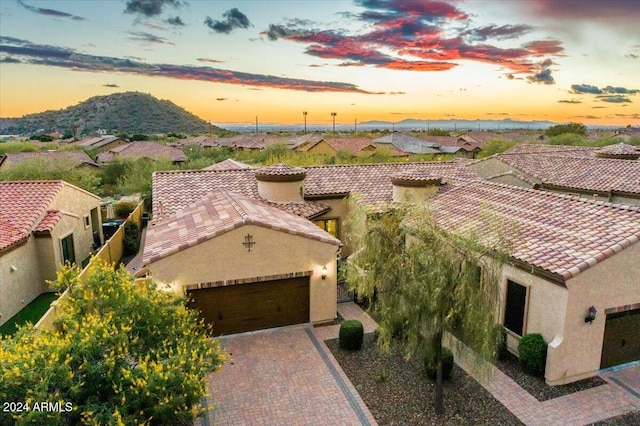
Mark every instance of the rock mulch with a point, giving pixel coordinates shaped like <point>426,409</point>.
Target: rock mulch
<point>397,392</point>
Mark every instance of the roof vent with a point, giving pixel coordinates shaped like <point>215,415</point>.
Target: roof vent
<point>414,186</point>
<point>281,183</point>
<point>620,151</point>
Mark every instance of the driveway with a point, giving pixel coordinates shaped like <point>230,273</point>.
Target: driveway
<point>282,376</point>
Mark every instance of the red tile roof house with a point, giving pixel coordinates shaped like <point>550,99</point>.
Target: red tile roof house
<point>143,149</point>
<point>568,255</point>
<point>611,173</point>
<point>42,224</point>
<point>75,158</point>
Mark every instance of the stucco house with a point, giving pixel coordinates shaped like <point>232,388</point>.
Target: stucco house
<point>73,158</point>
<point>142,149</point>
<point>42,225</point>
<point>102,143</point>
<point>569,254</point>
<point>611,173</point>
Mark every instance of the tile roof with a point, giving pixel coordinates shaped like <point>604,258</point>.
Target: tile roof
<point>23,204</point>
<point>228,164</point>
<point>619,150</point>
<point>280,170</point>
<point>557,150</point>
<point>49,221</point>
<point>555,232</point>
<point>74,158</point>
<point>579,172</point>
<point>219,212</point>
<point>173,190</point>
<point>143,149</point>
<point>351,145</point>
<point>99,141</point>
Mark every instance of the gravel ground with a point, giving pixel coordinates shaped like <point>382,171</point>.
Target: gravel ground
<point>631,419</point>
<point>398,392</point>
<point>537,387</point>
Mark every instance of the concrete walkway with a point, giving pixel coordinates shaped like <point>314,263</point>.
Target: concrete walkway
<point>135,264</point>
<point>289,376</point>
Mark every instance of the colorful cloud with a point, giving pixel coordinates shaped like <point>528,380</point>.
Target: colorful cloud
<point>62,57</point>
<point>420,36</point>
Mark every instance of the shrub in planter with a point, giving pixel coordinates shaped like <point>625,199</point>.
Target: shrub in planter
<point>431,367</point>
<point>131,239</point>
<point>124,208</point>
<point>351,334</point>
<point>532,350</point>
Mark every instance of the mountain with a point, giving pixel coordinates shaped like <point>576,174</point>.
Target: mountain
<point>452,124</point>
<point>130,112</point>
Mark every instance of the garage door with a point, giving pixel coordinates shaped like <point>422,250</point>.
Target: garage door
<point>621,338</point>
<point>254,306</point>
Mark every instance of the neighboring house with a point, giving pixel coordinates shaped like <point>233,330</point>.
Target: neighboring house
<point>453,146</point>
<point>143,149</point>
<point>250,141</point>
<point>42,225</point>
<point>75,158</point>
<point>355,147</point>
<point>610,174</point>
<point>568,254</point>
<point>228,164</point>
<point>102,143</point>
<point>407,143</point>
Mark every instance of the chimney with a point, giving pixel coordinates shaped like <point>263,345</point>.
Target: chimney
<point>281,183</point>
<point>414,186</point>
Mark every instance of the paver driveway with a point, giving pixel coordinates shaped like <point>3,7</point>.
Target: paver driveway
<point>282,376</point>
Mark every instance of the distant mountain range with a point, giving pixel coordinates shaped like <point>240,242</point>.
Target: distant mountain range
<point>130,112</point>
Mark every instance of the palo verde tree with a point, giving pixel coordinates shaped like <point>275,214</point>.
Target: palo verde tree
<point>122,353</point>
<point>426,281</point>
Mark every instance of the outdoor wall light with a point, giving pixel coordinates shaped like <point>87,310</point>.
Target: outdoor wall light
<point>324,272</point>
<point>591,315</point>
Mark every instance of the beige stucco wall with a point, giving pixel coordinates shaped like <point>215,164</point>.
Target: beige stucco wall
<point>274,253</point>
<point>322,148</point>
<point>79,203</point>
<point>281,192</point>
<point>511,180</point>
<point>18,288</point>
<point>545,309</point>
<point>339,210</point>
<point>612,283</point>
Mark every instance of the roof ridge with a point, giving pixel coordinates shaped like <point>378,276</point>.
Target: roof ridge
<point>241,212</point>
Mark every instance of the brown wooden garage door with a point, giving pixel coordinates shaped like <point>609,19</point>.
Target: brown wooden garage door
<point>254,306</point>
<point>621,338</point>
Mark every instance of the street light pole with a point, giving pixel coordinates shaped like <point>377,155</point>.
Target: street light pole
<point>304,113</point>
<point>333,115</point>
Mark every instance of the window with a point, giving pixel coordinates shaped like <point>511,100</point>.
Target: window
<point>87,222</point>
<point>68,252</point>
<point>329,225</point>
<point>515,307</point>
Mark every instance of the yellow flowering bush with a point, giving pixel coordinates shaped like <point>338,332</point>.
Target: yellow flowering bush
<point>122,354</point>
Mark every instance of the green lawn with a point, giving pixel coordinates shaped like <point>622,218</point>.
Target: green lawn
<point>30,313</point>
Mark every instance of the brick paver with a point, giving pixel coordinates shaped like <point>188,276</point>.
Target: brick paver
<point>282,376</point>
<point>289,376</point>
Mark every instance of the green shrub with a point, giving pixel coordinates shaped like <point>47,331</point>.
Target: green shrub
<point>532,350</point>
<point>124,208</point>
<point>502,351</point>
<point>351,334</point>
<point>131,240</point>
<point>431,367</point>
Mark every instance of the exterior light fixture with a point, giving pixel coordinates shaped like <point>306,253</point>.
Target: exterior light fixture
<point>324,272</point>
<point>591,315</point>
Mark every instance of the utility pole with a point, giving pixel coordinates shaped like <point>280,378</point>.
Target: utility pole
<point>355,125</point>
<point>304,114</point>
<point>256,124</point>
<point>333,115</point>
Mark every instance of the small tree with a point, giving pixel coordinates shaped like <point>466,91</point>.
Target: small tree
<point>427,279</point>
<point>123,354</point>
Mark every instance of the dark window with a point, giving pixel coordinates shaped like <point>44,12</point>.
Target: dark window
<point>515,309</point>
<point>329,225</point>
<point>68,252</point>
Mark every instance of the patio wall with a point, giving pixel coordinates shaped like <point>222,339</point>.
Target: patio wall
<point>110,252</point>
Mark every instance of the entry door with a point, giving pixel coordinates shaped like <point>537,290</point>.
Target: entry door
<point>621,338</point>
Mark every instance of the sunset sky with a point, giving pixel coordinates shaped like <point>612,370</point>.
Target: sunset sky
<point>230,61</point>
